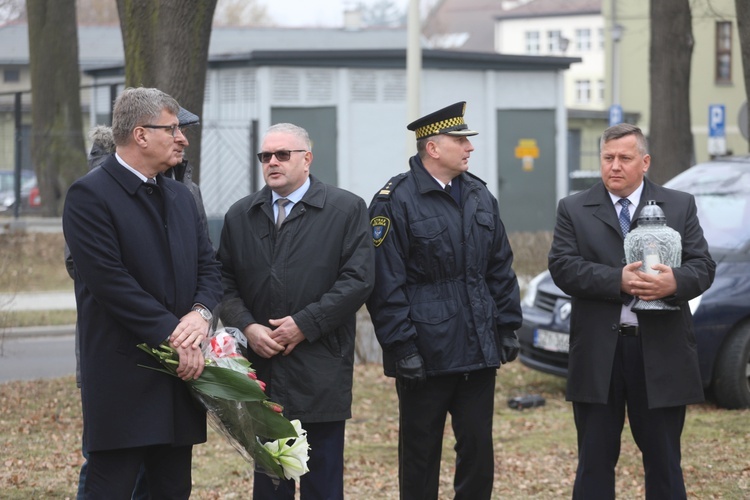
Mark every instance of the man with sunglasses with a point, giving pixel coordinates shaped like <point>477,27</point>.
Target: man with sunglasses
<point>297,264</point>
<point>144,273</point>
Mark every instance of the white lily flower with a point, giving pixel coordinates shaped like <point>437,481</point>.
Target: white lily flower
<point>293,459</point>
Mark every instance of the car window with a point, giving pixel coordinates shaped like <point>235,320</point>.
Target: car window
<point>722,194</point>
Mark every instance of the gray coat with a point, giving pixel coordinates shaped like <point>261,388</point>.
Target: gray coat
<point>319,269</point>
<point>586,262</point>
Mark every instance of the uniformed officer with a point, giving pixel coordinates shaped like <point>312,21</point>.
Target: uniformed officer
<point>445,306</point>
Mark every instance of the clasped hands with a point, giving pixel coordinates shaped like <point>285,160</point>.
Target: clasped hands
<point>282,338</point>
<point>648,286</point>
<point>186,340</point>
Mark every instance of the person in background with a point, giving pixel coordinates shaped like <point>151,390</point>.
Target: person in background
<point>144,273</point>
<point>297,264</point>
<point>445,306</point>
<point>621,360</point>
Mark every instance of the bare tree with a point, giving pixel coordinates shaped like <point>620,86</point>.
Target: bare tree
<point>743,27</point>
<point>671,140</point>
<point>166,46</point>
<point>57,128</point>
<point>12,10</point>
<point>97,12</point>
<point>241,13</point>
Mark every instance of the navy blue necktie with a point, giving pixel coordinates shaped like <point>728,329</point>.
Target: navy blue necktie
<point>624,216</point>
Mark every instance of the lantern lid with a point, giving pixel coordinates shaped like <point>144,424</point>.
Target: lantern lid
<point>652,214</point>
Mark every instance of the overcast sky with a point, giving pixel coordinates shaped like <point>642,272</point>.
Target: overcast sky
<point>329,13</point>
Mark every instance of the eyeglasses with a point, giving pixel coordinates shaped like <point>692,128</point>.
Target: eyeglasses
<point>281,155</point>
<point>173,129</point>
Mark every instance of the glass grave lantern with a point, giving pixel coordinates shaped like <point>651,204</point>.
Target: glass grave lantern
<point>653,242</point>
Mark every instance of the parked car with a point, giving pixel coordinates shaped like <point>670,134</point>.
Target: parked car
<point>721,315</point>
<point>30,199</point>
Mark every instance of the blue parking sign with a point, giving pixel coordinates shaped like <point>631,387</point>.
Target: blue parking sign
<point>716,115</point>
<point>615,114</point>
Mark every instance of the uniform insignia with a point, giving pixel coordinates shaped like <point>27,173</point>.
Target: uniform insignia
<point>380,227</point>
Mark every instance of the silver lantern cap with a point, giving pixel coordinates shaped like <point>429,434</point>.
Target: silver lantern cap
<point>652,214</point>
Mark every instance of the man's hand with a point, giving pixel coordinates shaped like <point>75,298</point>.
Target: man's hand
<point>191,363</point>
<point>260,341</point>
<point>650,286</point>
<point>410,371</point>
<point>509,346</point>
<point>286,333</point>
<point>190,331</point>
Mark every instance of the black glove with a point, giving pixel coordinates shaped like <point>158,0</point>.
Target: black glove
<point>410,371</point>
<point>509,347</point>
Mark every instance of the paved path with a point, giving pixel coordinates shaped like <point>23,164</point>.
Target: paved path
<point>37,301</point>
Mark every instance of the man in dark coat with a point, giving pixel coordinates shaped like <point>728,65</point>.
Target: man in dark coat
<point>297,264</point>
<point>144,272</point>
<point>619,358</point>
<point>445,306</point>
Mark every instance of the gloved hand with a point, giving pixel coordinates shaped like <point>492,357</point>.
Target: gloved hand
<point>410,371</point>
<point>509,346</point>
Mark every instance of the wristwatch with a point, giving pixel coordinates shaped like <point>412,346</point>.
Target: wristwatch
<point>205,313</point>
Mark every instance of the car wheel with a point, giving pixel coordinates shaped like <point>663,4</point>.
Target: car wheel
<point>731,384</point>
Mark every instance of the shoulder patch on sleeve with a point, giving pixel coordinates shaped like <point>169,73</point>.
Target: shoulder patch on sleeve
<point>380,226</point>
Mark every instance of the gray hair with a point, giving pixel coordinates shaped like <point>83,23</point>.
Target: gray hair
<point>623,130</point>
<point>295,130</point>
<point>139,106</point>
<point>103,145</point>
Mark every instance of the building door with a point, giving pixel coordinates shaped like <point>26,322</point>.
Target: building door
<point>526,159</point>
<point>320,124</point>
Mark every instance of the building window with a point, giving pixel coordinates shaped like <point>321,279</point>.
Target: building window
<point>11,75</point>
<point>532,42</point>
<point>583,91</point>
<point>600,90</point>
<point>583,40</point>
<point>601,39</point>
<point>724,52</point>
<point>553,41</point>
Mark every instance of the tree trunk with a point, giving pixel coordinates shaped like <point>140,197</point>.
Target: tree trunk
<point>743,28</point>
<point>180,30</point>
<point>57,147</point>
<point>670,137</point>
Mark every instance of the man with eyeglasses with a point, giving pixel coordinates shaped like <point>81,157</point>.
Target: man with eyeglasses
<point>144,273</point>
<point>297,264</point>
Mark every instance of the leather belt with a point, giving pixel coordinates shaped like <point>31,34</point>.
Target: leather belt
<point>629,330</point>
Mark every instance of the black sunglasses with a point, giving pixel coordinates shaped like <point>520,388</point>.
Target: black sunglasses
<point>281,155</point>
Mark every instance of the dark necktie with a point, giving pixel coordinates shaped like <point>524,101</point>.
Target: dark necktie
<point>152,180</point>
<point>447,188</point>
<point>281,202</point>
<point>624,216</point>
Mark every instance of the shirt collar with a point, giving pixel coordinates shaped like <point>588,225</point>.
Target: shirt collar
<point>634,197</point>
<point>124,164</point>
<point>295,196</point>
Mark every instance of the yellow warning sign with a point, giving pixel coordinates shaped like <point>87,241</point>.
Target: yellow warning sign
<point>527,148</point>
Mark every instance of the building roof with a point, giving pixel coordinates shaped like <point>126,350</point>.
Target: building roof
<point>102,45</point>
<point>377,59</point>
<point>470,24</point>
<point>552,8</point>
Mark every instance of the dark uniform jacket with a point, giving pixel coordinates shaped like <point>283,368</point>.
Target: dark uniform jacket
<point>141,262</point>
<point>318,269</point>
<point>586,262</point>
<point>444,284</point>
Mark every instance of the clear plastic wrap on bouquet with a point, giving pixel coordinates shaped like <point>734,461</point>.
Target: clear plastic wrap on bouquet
<point>238,408</point>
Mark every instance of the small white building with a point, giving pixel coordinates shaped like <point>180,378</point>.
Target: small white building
<point>353,104</point>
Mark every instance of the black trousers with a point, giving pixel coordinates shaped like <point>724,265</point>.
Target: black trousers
<point>111,475</point>
<point>656,432</point>
<point>469,398</point>
<point>325,480</point>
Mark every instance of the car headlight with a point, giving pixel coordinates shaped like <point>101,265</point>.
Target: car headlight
<point>530,296</point>
<point>695,303</point>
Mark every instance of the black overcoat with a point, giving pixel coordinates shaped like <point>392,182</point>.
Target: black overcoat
<point>142,259</point>
<point>586,262</point>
